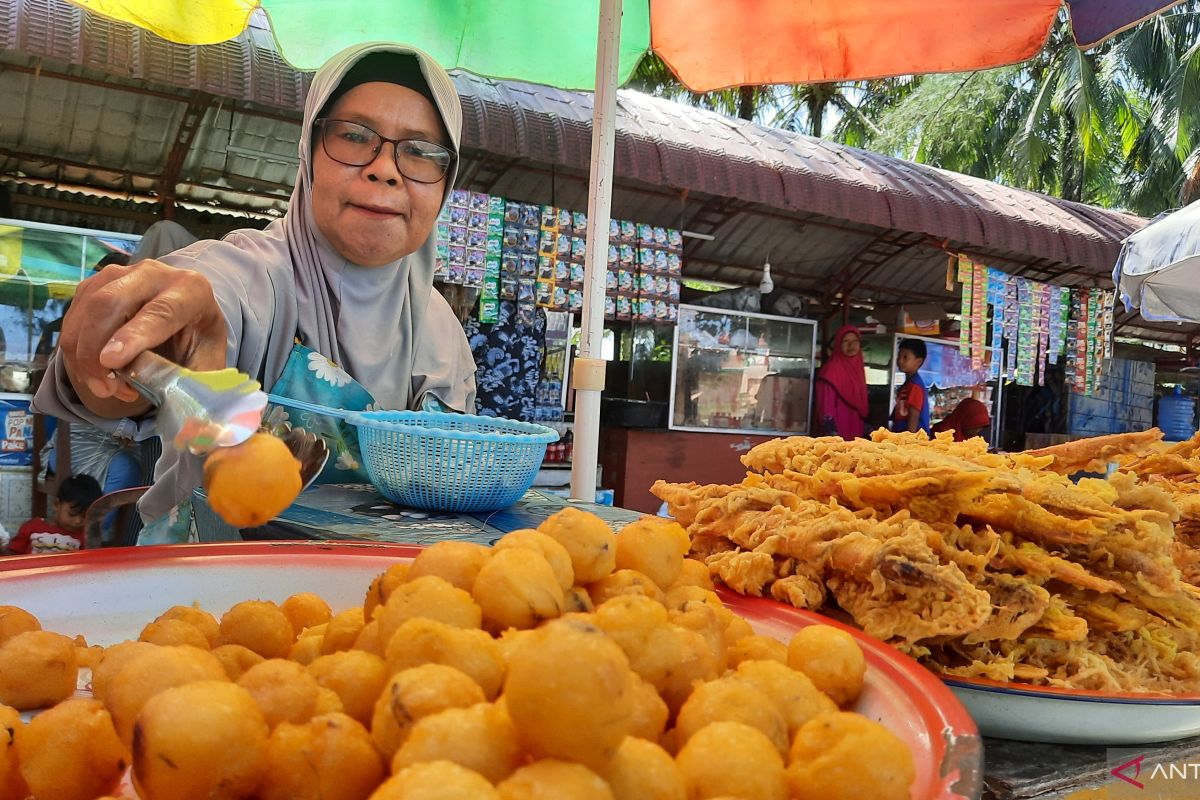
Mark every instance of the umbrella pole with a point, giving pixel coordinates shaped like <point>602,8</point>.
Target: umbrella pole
<point>588,374</point>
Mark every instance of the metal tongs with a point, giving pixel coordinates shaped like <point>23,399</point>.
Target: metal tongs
<point>207,410</point>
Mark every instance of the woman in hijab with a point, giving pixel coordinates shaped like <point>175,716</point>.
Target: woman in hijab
<point>841,390</point>
<point>970,418</point>
<point>334,303</point>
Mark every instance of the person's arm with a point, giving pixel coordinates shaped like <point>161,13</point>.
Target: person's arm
<point>19,546</point>
<point>914,419</point>
<point>123,311</point>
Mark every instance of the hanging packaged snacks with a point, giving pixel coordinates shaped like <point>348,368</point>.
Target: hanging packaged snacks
<point>979,307</point>
<point>966,276</point>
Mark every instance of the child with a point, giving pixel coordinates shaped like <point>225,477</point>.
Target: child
<point>65,532</point>
<point>912,401</point>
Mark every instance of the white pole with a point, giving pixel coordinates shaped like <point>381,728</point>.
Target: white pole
<point>588,375</point>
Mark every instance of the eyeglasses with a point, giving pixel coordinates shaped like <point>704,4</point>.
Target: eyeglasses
<point>357,145</point>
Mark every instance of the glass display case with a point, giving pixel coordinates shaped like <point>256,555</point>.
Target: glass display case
<point>738,372</point>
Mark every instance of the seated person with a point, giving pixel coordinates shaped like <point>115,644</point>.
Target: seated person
<point>64,531</point>
<point>969,418</point>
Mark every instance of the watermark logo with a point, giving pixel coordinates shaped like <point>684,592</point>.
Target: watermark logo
<point>1134,765</point>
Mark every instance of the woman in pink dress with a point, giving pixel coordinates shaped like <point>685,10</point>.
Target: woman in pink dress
<point>841,390</point>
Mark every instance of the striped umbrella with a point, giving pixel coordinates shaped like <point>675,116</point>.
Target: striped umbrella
<point>597,44</point>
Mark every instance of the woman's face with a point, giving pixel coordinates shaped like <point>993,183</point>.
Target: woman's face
<point>373,215</point>
<point>851,346</point>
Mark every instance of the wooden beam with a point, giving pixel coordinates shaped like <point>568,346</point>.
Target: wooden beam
<point>193,115</point>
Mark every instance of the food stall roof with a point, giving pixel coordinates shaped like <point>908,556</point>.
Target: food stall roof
<point>99,105</point>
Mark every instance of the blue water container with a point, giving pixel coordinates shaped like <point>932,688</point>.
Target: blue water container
<point>1177,415</point>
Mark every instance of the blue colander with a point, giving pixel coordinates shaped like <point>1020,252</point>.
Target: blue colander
<point>450,462</point>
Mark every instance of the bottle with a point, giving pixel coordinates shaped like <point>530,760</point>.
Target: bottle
<point>568,445</point>
<point>1177,415</point>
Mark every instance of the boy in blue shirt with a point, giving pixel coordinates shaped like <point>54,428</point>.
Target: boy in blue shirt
<point>911,412</point>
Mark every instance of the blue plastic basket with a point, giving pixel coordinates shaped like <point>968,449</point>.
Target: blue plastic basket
<point>450,462</point>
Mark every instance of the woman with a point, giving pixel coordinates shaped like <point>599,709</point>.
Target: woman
<point>841,390</point>
<point>334,303</point>
<point>970,418</point>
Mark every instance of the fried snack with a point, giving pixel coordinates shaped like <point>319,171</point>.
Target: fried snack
<point>203,741</point>
<point>71,752</point>
<point>415,693</point>
<point>260,626</point>
<point>587,538</point>
<point>111,661</point>
<point>283,690</point>
<point>757,648</point>
<point>368,639</point>
<point>197,617</point>
<point>426,641</point>
<point>790,691</point>
<point>436,780</point>
<point>550,779</point>
<point>428,597</point>
<point>37,669</point>
<point>517,588</point>
<point>234,658</point>
<point>732,758</point>
<point>306,650</point>
<point>624,581</point>
<point>382,587</point>
<point>655,547</point>
<point>1094,454</point>
<point>12,785</point>
<point>693,572</point>
<point>250,483</point>
<point>342,631</point>
<point>649,713</point>
<point>328,758</point>
<point>641,770</point>
<point>481,738</point>
<point>842,756</point>
<point>147,673</point>
<point>357,677</point>
<point>555,554</point>
<point>731,700</point>
<point>15,620</point>
<point>455,562</point>
<point>570,692</point>
<point>831,659</point>
<point>641,628</point>
<point>306,610</point>
<point>169,632</point>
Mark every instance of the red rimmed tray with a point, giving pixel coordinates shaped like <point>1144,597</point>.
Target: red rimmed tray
<point>109,595</point>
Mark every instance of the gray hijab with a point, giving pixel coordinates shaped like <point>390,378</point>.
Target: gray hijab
<point>384,325</point>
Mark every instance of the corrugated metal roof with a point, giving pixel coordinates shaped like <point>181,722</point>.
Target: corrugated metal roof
<point>97,103</point>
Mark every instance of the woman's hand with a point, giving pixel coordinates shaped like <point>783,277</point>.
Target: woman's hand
<point>123,311</point>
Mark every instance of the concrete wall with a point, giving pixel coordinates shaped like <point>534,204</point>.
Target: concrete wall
<point>1123,402</point>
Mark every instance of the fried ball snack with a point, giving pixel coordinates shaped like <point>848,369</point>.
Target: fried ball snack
<point>455,562</point>
<point>111,661</point>
<point>382,587</point>
<point>426,641</point>
<point>589,541</point>
<point>641,770</point>
<point>283,690</point>
<point>150,672</point>
<point>306,610</point>
<point>306,650</point>
<point>655,547</point>
<point>37,669</point>
<point>235,659</point>
<point>757,648</point>
<point>203,741</point>
<point>342,631</point>
<point>260,626</point>
<point>791,692</point>
<point>197,617</point>
<point>356,677</point>
<point>570,692</point>
<point>827,760</point>
<point>624,581</point>
<point>480,738</point>
<point>12,785</point>
<point>650,712</point>
<point>330,757</point>
<point>71,752</point>
<point>517,588</point>
<point>428,597</point>
<point>252,482</point>
<point>15,620</point>
<point>414,694</point>
<point>555,554</point>
<point>732,758</point>
<point>641,628</point>
<point>550,779</point>
<point>436,780</point>
<point>731,700</point>
<point>831,659</point>
<point>169,632</point>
